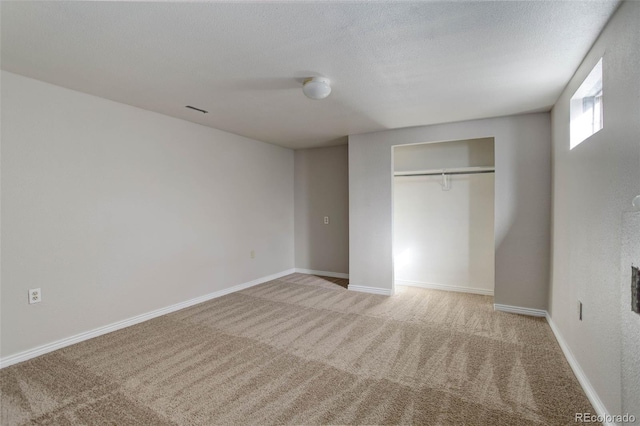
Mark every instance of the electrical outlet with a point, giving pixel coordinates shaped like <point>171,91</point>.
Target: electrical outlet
<point>580,310</point>
<point>326,220</point>
<point>253,254</point>
<point>35,295</point>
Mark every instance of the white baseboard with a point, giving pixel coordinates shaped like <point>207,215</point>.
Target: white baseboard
<point>520,310</point>
<point>582,378</point>
<point>372,290</point>
<point>322,273</point>
<point>445,287</point>
<point>50,347</point>
<point>588,389</point>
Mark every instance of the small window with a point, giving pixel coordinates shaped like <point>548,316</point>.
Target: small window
<point>587,115</point>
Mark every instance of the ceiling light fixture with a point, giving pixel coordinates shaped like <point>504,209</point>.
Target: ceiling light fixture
<point>316,87</point>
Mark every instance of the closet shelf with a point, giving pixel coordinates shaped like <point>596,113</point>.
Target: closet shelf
<point>450,171</point>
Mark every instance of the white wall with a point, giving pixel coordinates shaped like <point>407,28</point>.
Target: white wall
<point>522,202</point>
<point>322,189</point>
<point>444,155</point>
<point>115,211</point>
<point>593,185</point>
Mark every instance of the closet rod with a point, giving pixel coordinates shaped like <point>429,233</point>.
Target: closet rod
<point>448,173</point>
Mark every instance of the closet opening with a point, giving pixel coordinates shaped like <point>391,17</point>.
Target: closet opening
<point>443,215</point>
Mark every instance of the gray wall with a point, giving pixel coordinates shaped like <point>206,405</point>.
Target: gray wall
<point>115,211</point>
<point>593,185</point>
<point>322,189</point>
<point>630,320</point>
<point>522,197</point>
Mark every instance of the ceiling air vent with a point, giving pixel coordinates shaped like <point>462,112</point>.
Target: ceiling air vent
<point>196,109</point>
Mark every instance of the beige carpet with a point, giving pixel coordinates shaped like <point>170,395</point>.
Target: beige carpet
<point>303,350</point>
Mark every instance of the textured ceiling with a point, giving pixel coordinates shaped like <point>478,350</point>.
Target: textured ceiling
<point>392,64</point>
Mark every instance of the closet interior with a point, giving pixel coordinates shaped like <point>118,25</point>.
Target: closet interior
<point>443,215</point>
